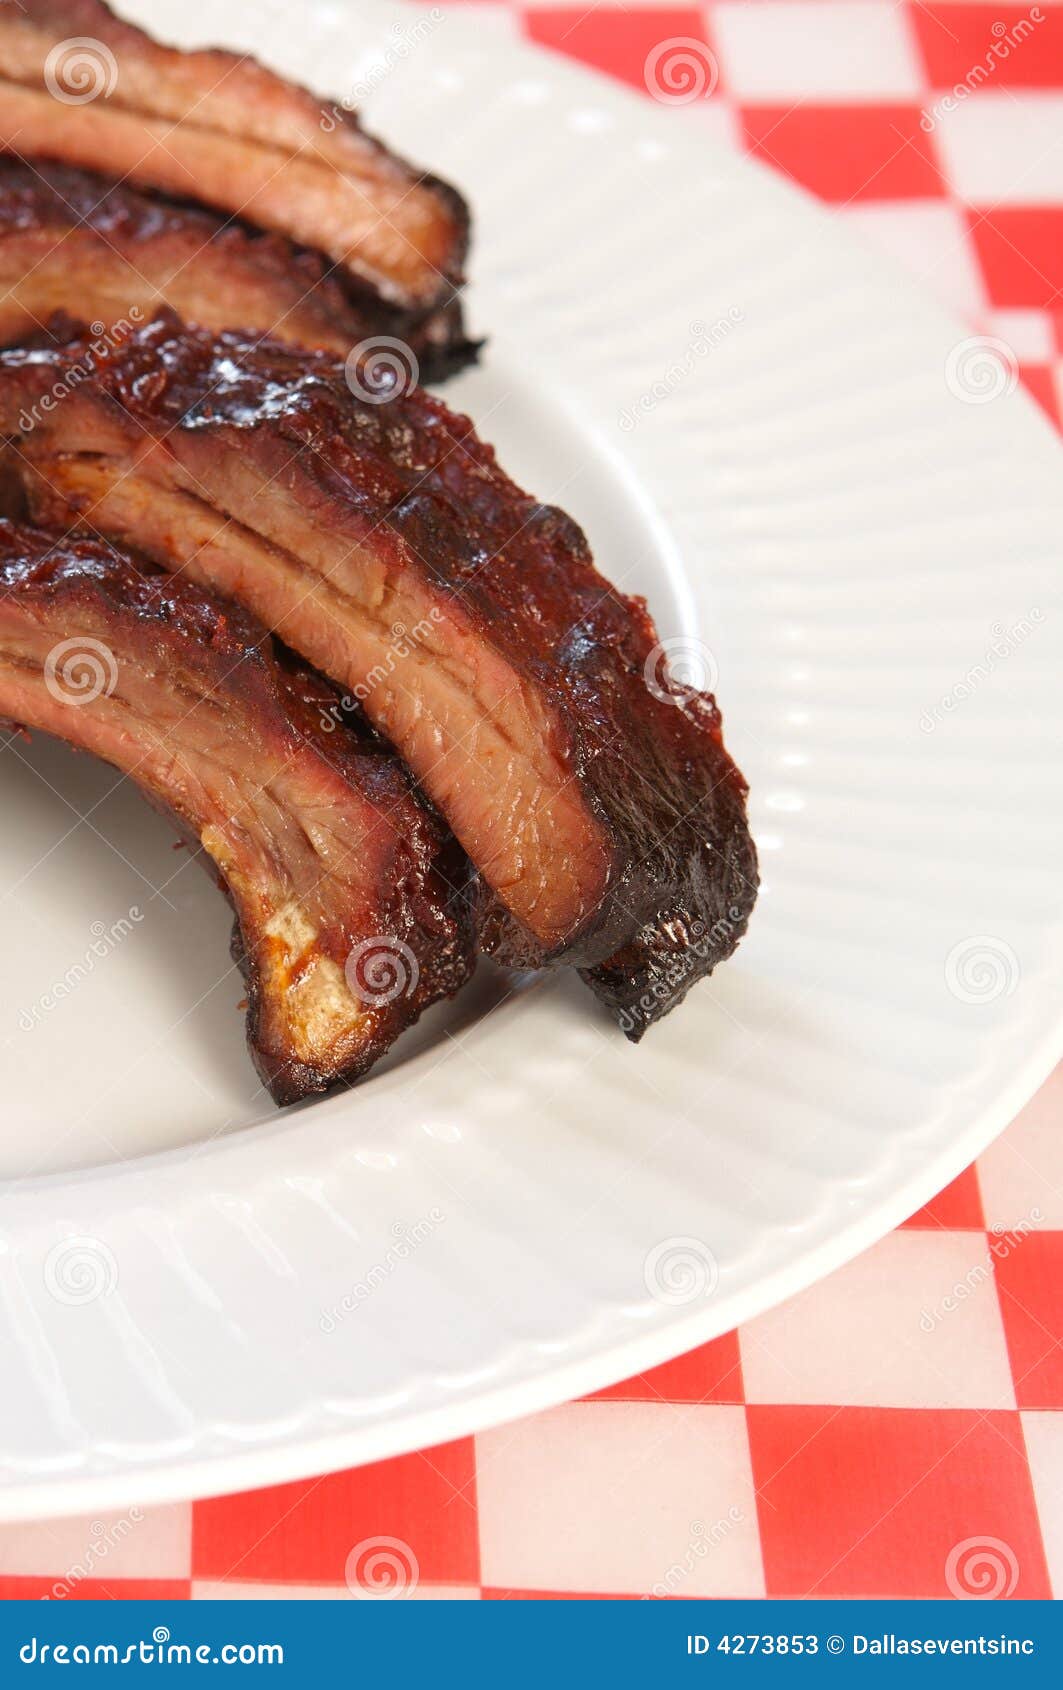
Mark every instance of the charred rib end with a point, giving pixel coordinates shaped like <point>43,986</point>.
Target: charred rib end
<point>652,975</point>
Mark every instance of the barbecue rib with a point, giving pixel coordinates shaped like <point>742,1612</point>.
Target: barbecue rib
<point>592,792</point>
<point>69,239</point>
<point>341,880</point>
<point>81,86</point>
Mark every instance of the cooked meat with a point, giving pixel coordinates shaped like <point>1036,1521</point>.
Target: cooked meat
<point>593,793</point>
<point>348,898</point>
<point>73,241</point>
<point>81,86</point>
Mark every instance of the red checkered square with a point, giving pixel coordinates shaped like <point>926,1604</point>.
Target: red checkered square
<point>620,42</point>
<point>881,1502</point>
<point>1029,1278</point>
<point>1039,381</point>
<point>958,1207</point>
<point>712,1373</point>
<point>847,153</point>
<point>1020,249</point>
<point>973,47</point>
<point>305,1532</point>
<point>96,1590</point>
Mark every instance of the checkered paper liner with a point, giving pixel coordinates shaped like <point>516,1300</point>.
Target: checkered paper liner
<point>897,1430</point>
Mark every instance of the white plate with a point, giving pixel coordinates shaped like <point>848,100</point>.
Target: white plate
<point>524,1207</point>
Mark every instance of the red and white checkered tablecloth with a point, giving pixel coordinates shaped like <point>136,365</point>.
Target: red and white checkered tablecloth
<point>898,1429</point>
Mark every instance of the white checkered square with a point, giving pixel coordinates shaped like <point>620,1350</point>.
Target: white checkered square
<point>1004,148</point>
<point>912,1323</point>
<point>817,50</point>
<point>641,1499</point>
<point>1044,1445</point>
<point>1023,1171</point>
<point>135,1543</point>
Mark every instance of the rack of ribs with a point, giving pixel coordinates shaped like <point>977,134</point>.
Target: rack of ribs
<point>592,791</point>
<point>81,87</point>
<point>68,237</point>
<point>350,904</point>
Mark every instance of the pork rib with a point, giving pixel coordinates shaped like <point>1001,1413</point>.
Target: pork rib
<point>348,898</point>
<point>72,239</point>
<point>592,792</point>
<point>83,87</point>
